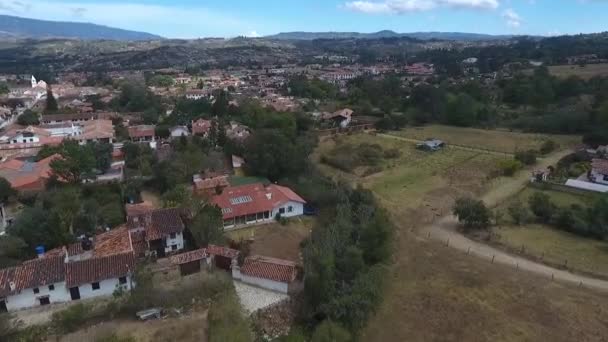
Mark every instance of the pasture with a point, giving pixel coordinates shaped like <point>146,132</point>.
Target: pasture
<point>585,72</point>
<point>494,140</point>
<point>550,245</point>
<point>436,293</point>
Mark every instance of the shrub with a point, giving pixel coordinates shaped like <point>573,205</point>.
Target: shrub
<point>331,332</point>
<point>548,147</point>
<point>392,153</point>
<point>116,338</point>
<point>227,322</point>
<point>72,318</point>
<point>519,213</point>
<point>473,213</point>
<point>509,167</point>
<point>526,157</point>
<point>542,207</point>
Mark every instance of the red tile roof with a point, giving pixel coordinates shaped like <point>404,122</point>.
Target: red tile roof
<point>201,126</point>
<point>158,223</point>
<point>222,251</point>
<point>184,258</point>
<point>142,131</point>
<point>600,165</point>
<point>253,198</point>
<point>206,184</point>
<point>32,273</point>
<point>25,175</point>
<point>98,269</point>
<point>283,271</point>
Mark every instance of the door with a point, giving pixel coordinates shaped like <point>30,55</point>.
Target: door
<point>3,307</point>
<point>75,293</point>
<point>44,300</point>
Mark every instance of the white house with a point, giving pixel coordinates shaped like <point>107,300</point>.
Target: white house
<point>54,279</point>
<point>599,171</point>
<point>257,203</point>
<point>268,273</point>
<point>162,229</point>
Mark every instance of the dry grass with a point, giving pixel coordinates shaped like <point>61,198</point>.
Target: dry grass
<point>440,294</point>
<point>190,328</point>
<point>502,141</point>
<point>275,240</point>
<point>586,72</point>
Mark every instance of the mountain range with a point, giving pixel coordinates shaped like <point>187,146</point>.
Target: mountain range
<point>12,27</point>
<point>387,34</point>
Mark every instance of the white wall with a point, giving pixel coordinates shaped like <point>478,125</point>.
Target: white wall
<point>260,282</point>
<point>179,241</point>
<point>106,288</point>
<point>297,210</point>
<point>176,133</point>
<point>27,298</point>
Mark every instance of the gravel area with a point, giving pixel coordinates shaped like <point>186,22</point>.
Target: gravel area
<point>254,298</point>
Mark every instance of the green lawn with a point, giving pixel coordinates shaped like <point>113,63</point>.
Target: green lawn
<point>560,198</point>
<point>496,140</point>
<point>555,246</point>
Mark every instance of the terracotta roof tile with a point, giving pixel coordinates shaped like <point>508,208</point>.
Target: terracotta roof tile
<point>269,268</point>
<point>31,274</point>
<point>98,269</point>
<point>253,198</point>
<point>184,258</point>
<point>222,251</point>
<point>600,165</point>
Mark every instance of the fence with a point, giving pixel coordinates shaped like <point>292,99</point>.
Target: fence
<point>510,255</point>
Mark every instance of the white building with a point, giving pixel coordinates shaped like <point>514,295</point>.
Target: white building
<point>179,131</point>
<point>162,229</point>
<point>54,279</point>
<point>257,203</point>
<point>268,273</point>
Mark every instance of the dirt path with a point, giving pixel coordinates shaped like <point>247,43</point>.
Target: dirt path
<point>459,147</point>
<point>445,230</point>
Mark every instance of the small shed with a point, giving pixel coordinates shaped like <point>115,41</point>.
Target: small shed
<point>431,145</point>
<point>191,262</point>
<point>223,257</point>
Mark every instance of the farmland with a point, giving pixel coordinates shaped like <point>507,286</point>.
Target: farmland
<point>501,141</point>
<point>585,72</point>
<point>440,293</point>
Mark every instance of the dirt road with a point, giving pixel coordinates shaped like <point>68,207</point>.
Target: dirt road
<point>445,230</point>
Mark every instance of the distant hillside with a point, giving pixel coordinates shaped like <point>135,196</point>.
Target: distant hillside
<point>386,34</point>
<point>16,27</point>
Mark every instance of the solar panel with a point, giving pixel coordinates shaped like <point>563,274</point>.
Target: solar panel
<point>240,200</point>
<point>226,210</point>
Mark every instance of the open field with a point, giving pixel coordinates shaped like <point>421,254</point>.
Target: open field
<point>556,247</point>
<point>275,240</point>
<point>418,178</point>
<point>553,246</point>
<point>436,293</point>
<point>501,141</point>
<point>586,72</point>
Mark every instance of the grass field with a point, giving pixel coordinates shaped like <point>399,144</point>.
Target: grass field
<point>552,245</point>
<point>436,293</point>
<point>275,240</point>
<point>586,72</point>
<point>418,178</point>
<point>502,141</point>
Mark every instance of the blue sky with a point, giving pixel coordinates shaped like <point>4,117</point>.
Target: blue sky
<point>229,18</point>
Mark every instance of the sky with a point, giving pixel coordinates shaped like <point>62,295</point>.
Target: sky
<point>230,18</point>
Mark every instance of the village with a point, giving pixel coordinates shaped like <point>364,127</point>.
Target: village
<point>280,199</point>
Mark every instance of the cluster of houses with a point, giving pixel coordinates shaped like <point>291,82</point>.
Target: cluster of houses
<point>103,264</point>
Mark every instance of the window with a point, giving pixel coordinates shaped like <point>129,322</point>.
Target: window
<point>282,211</point>
<point>95,286</point>
<point>36,290</point>
<point>290,209</point>
<point>122,280</point>
<point>51,287</point>
<point>174,247</point>
<point>172,236</point>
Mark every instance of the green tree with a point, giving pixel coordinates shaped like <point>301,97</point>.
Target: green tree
<point>11,250</point>
<point>178,197</point>
<point>519,213</point>
<point>526,157</point>
<point>330,332</point>
<point>6,190</point>
<point>207,226</point>
<point>76,163</point>
<point>269,153</point>
<point>4,89</point>
<point>542,207</point>
<point>461,110</point>
<point>28,118</point>
<point>51,102</point>
<point>473,213</point>
<point>37,226</point>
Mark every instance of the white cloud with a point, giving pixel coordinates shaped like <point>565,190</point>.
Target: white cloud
<point>166,20</point>
<point>253,34</point>
<point>513,19</point>
<point>406,6</point>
